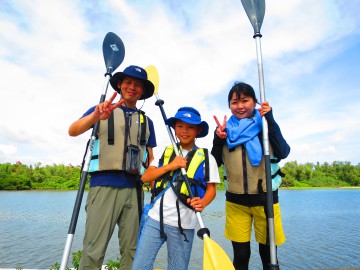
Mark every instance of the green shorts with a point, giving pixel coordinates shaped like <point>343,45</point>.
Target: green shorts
<point>239,221</point>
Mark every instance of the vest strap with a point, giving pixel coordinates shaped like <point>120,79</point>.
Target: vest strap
<point>275,160</point>
<point>127,131</point>
<point>179,221</point>
<point>111,129</point>
<point>278,172</point>
<point>143,128</point>
<point>162,232</point>
<point>244,168</point>
<point>206,176</point>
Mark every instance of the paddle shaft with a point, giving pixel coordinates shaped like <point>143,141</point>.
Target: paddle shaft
<point>266,148</point>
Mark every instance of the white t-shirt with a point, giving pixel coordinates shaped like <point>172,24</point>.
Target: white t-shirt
<point>188,217</point>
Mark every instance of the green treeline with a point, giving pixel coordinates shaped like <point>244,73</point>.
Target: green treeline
<point>22,177</point>
<point>337,174</point>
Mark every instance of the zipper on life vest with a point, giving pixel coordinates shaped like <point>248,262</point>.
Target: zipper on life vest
<point>245,178</point>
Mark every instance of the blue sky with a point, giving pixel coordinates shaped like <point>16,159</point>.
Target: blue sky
<point>52,69</point>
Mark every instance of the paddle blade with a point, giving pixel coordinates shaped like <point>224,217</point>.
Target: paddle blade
<point>113,51</point>
<point>215,258</point>
<point>255,10</point>
<point>153,76</point>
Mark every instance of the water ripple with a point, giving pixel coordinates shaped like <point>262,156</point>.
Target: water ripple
<point>321,228</point>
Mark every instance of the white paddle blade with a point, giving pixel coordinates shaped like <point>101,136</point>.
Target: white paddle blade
<point>255,10</point>
<point>153,76</point>
<point>215,258</point>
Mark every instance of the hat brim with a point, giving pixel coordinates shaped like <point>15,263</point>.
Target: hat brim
<point>119,76</point>
<point>203,125</point>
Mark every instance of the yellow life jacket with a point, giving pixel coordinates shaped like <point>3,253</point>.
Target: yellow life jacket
<point>197,159</point>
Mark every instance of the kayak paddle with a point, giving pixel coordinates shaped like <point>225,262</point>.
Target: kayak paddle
<point>255,10</point>
<point>114,53</point>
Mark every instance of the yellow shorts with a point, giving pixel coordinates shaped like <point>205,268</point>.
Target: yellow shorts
<point>239,221</point>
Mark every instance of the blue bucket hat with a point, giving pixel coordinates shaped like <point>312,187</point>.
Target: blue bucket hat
<point>191,116</point>
<point>134,72</point>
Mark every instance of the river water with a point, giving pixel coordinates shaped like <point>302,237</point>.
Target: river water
<point>321,226</point>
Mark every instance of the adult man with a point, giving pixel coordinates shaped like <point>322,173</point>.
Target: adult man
<point>124,135</point>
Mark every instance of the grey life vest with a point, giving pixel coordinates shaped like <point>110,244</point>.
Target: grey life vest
<point>115,136</point>
<point>243,177</point>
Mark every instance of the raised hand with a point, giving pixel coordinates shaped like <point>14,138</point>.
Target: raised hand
<point>103,110</point>
<point>221,127</point>
<point>265,108</point>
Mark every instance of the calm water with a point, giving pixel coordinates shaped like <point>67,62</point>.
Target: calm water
<point>322,229</point>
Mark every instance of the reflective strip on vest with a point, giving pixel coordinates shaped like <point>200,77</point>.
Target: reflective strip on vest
<point>276,181</point>
<point>94,163</point>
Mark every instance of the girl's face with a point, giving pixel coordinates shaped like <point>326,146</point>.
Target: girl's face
<point>186,133</point>
<point>242,107</point>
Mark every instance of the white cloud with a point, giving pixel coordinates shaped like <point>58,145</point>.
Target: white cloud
<point>7,150</point>
<point>52,68</point>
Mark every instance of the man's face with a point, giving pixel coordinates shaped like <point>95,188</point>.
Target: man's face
<point>131,89</point>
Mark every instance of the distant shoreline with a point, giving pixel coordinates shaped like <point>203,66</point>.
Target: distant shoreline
<point>354,187</point>
<point>148,190</point>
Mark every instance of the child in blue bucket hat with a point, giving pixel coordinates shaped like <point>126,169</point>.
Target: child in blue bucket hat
<point>170,217</point>
<point>190,115</point>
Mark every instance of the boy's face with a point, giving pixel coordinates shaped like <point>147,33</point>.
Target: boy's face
<point>186,133</point>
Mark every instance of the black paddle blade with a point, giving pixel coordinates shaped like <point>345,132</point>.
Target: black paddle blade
<point>255,10</point>
<point>114,52</point>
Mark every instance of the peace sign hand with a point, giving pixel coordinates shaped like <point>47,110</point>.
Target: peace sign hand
<point>103,110</point>
<point>221,127</point>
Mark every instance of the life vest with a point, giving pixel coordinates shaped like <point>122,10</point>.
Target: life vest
<point>112,141</point>
<point>276,173</point>
<point>243,177</point>
<point>198,177</point>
